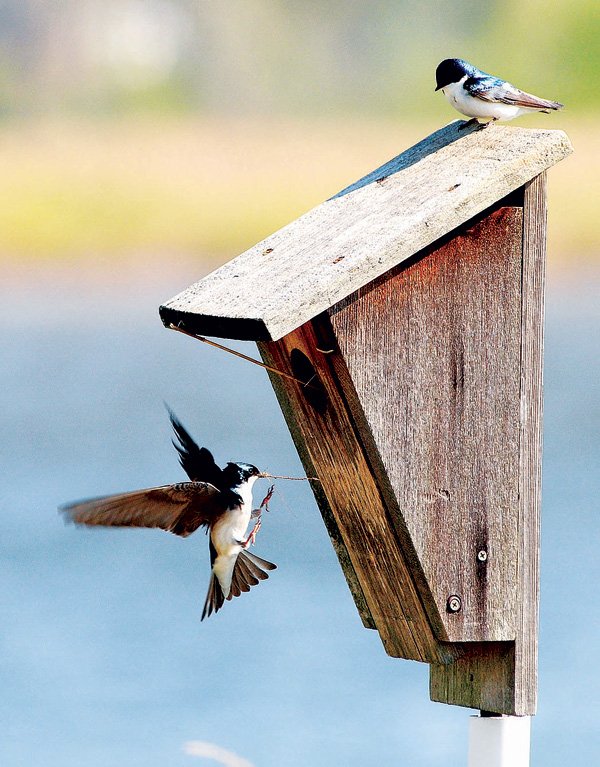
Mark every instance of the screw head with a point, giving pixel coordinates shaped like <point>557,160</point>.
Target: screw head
<point>454,603</point>
<point>482,555</point>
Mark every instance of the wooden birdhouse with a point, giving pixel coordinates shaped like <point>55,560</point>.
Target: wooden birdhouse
<point>406,313</point>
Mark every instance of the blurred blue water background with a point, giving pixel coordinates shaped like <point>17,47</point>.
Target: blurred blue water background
<point>103,658</point>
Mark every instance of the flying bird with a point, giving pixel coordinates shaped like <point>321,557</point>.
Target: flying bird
<point>484,97</point>
<point>220,500</point>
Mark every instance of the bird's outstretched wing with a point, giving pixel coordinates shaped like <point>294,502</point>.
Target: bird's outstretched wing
<point>248,571</point>
<point>497,91</point>
<point>197,462</point>
<point>179,509</point>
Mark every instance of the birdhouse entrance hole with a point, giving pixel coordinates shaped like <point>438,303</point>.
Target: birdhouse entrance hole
<point>312,388</point>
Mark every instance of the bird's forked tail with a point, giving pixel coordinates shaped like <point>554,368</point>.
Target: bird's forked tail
<point>248,571</point>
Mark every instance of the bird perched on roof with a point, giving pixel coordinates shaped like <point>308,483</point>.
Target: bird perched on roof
<point>219,500</point>
<point>484,97</point>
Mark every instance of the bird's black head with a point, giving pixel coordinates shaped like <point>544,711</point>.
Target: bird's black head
<point>235,474</point>
<point>452,71</point>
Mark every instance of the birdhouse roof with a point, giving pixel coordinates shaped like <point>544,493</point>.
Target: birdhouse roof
<point>367,229</point>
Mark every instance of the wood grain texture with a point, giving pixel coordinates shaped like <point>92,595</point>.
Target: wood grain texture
<point>369,228</point>
<point>461,683</point>
<point>271,356</point>
<point>483,678</point>
<point>354,509</point>
<point>433,352</point>
<point>530,490</point>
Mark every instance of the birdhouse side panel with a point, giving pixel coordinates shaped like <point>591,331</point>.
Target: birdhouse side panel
<point>271,356</point>
<point>530,487</point>
<point>329,445</point>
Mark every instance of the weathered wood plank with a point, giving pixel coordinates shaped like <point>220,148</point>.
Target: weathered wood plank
<point>483,678</point>
<point>433,352</point>
<point>285,402</point>
<point>358,514</point>
<point>530,470</point>
<point>344,243</point>
<point>516,691</point>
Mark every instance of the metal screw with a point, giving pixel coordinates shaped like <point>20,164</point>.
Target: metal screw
<point>482,555</point>
<point>454,603</point>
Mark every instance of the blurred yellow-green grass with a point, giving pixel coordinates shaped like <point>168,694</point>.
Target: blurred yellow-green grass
<point>209,188</point>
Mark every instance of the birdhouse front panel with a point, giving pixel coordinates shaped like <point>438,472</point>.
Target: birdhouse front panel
<point>433,352</point>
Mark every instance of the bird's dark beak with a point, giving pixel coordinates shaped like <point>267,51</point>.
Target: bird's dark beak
<point>437,89</point>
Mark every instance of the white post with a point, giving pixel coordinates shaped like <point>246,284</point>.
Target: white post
<point>499,741</point>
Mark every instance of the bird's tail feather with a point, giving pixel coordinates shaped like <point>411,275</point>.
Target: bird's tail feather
<point>248,571</point>
<point>214,598</point>
<point>553,106</point>
<point>258,561</point>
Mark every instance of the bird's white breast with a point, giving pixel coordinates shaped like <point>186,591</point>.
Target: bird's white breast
<point>473,107</point>
<point>226,534</point>
<point>231,526</point>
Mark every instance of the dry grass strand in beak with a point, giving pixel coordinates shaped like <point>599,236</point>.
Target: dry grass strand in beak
<point>266,475</point>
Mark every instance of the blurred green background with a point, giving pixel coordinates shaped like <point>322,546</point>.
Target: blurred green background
<point>190,130</point>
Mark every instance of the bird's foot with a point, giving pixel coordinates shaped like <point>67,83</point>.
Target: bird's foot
<point>264,504</point>
<point>473,121</point>
<point>467,123</point>
<point>251,539</point>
